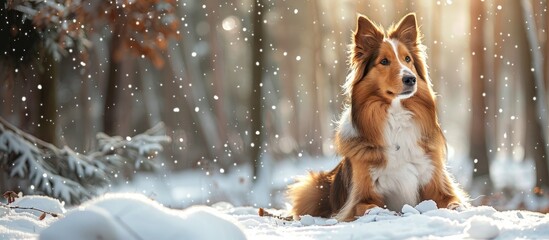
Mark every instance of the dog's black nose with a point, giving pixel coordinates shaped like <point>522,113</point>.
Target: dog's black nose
<point>409,80</point>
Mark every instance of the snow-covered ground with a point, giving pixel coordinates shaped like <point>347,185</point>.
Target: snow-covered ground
<point>135,216</point>
<point>234,185</point>
<point>223,204</point>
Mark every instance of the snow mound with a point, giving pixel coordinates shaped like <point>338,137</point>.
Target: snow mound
<point>377,214</point>
<point>206,223</point>
<point>481,227</point>
<point>307,220</point>
<point>134,216</point>
<point>4,211</point>
<point>89,224</point>
<point>407,209</point>
<point>378,223</point>
<point>427,205</point>
<point>331,221</point>
<point>39,202</point>
<point>24,223</point>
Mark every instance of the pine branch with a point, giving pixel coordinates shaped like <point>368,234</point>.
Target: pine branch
<point>32,208</point>
<point>68,175</point>
<point>138,149</point>
<point>28,137</point>
<point>11,196</point>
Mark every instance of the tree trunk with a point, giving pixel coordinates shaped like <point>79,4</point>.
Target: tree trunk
<point>324,87</point>
<point>217,57</point>
<point>341,70</point>
<point>204,131</point>
<point>288,103</point>
<point>48,101</point>
<point>435,47</point>
<point>197,96</point>
<point>87,120</point>
<point>315,131</point>
<point>112,94</point>
<point>496,65</point>
<point>256,111</point>
<point>546,64</point>
<point>534,96</point>
<point>477,133</point>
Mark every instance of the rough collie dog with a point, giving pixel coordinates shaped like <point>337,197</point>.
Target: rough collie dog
<point>392,146</point>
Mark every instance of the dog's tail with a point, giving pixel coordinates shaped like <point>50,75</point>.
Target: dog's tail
<point>310,195</point>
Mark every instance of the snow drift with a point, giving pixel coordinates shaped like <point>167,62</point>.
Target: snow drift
<point>135,216</point>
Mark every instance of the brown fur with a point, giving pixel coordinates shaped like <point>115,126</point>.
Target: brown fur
<point>348,190</point>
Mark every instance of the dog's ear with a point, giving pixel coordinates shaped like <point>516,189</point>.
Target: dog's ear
<point>407,31</point>
<point>367,37</point>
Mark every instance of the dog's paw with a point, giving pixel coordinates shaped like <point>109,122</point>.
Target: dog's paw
<point>456,206</point>
<point>377,214</point>
<point>363,209</point>
<point>380,212</point>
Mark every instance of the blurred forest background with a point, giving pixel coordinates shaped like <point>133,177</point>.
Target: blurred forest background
<point>239,81</point>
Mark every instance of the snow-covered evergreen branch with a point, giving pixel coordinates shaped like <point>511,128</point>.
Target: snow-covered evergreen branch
<point>68,175</point>
<point>138,148</point>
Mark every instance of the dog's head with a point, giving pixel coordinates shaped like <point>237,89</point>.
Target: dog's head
<point>387,65</point>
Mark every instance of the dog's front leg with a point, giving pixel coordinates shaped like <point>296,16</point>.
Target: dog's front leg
<point>360,198</point>
<point>362,208</point>
<point>353,209</point>
<point>444,192</point>
<point>347,212</point>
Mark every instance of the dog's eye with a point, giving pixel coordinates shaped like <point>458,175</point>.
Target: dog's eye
<point>384,62</point>
<point>407,59</point>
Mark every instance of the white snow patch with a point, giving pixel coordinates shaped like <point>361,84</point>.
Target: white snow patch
<point>307,220</point>
<point>511,173</point>
<point>481,227</point>
<point>24,224</point>
<point>192,187</point>
<point>146,218</point>
<point>377,214</point>
<point>39,202</point>
<point>89,224</point>
<point>331,221</point>
<point>426,206</point>
<point>409,209</point>
<point>4,211</point>
<point>134,216</point>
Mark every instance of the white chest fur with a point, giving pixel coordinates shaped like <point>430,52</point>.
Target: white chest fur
<point>408,167</point>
